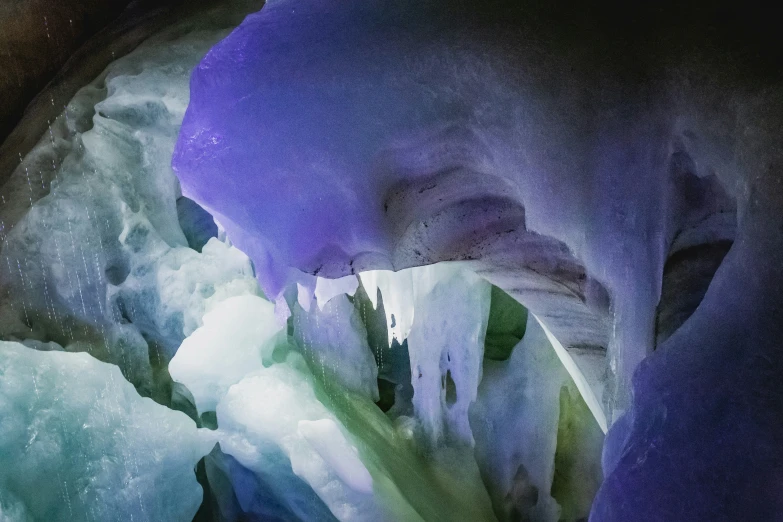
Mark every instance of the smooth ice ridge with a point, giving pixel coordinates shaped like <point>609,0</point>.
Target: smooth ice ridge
<point>243,327</point>
<point>77,442</point>
<point>581,383</point>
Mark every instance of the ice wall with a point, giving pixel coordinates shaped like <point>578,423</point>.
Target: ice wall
<point>92,223</point>
<point>79,443</point>
<point>333,338</point>
<point>93,251</point>
<point>704,433</point>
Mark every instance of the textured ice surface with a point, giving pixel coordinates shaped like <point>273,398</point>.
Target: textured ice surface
<point>578,376</point>
<point>237,336</point>
<point>100,263</point>
<point>93,226</point>
<point>79,443</point>
<point>260,410</point>
<point>515,420</point>
<point>278,405</point>
<point>274,494</point>
<point>333,339</point>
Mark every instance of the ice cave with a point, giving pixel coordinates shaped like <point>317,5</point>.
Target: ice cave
<point>390,260</point>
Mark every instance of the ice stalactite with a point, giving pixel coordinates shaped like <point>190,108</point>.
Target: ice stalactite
<point>399,297</point>
<point>516,423</point>
<point>446,347</point>
<point>326,289</point>
<point>333,339</point>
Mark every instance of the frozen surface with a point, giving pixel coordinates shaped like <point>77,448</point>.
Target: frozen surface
<point>92,243</point>
<point>515,420</point>
<point>238,335</point>
<point>276,494</point>
<point>327,440</point>
<point>79,443</point>
<point>263,411</point>
<point>333,339</point>
<point>708,403</point>
<point>108,259</point>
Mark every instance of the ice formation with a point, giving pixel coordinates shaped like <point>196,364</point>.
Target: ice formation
<point>728,356</point>
<point>274,493</point>
<point>427,168</point>
<point>302,412</point>
<point>96,255</point>
<point>278,410</point>
<point>278,406</point>
<point>334,339</point>
<point>332,142</point>
<point>237,335</point>
<point>79,443</point>
<point>264,411</point>
<point>517,456</point>
<point>446,347</point>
